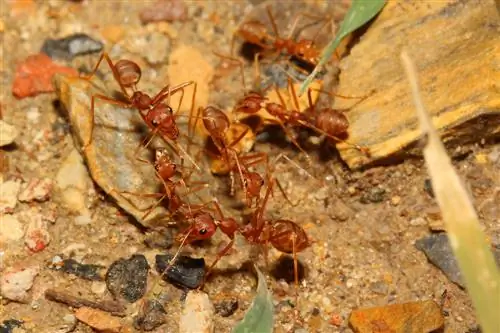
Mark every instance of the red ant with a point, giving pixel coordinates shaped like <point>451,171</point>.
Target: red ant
<point>284,235</point>
<point>157,114</point>
<point>166,170</point>
<point>217,124</point>
<point>329,122</point>
<point>255,32</point>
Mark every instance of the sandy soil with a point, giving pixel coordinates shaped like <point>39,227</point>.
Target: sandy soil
<point>364,224</point>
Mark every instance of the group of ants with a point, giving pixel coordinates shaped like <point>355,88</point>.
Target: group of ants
<point>204,219</point>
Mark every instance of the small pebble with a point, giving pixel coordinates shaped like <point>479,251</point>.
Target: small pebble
<point>15,283</point>
<point>164,10</point>
<point>73,180</point>
<point>128,278</point>
<point>10,325</point>
<point>98,320</point>
<point>71,46</point>
<point>11,230</point>
<point>197,314</point>
<point>36,190</point>
<point>151,316</point>
<point>34,75</point>
<point>37,235</point>
<point>373,195</point>
<point>84,271</point>
<point>437,249</point>
<point>8,133</point>
<point>185,272</point>
<point>418,221</point>
<point>350,283</point>
<point>98,288</point>
<point>226,308</point>
<point>83,220</point>
<point>395,200</point>
<point>8,195</point>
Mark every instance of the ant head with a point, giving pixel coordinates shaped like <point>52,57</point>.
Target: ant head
<point>253,183</point>
<point>165,168</point>
<point>203,227</point>
<point>251,104</point>
<point>129,73</point>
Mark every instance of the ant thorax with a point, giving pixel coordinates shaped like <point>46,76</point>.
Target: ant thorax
<point>141,100</point>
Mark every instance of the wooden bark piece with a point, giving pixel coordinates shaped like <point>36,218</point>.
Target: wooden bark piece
<point>456,47</point>
<point>110,157</point>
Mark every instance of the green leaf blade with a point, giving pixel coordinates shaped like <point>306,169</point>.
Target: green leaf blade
<point>260,316</point>
<point>361,12</point>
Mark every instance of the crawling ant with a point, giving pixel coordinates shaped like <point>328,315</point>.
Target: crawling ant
<point>217,124</point>
<point>327,121</point>
<point>166,170</point>
<point>304,50</point>
<point>156,113</point>
<point>284,235</point>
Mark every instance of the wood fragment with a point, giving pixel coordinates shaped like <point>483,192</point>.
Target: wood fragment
<point>113,307</point>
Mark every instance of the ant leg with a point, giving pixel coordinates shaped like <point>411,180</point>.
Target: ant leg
<point>105,56</point>
<point>92,113</point>
<point>290,135</point>
<point>167,91</point>
<point>147,195</point>
<point>361,98</point>
<point>292,91</point>
<point>220,254</point>
<point>191,124</point>
<point>240,65</point>
<point>273,22</point>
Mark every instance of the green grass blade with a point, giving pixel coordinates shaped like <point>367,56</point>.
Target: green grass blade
<point>260,316</point>
<point>481,275</point>
<point>361,11</point>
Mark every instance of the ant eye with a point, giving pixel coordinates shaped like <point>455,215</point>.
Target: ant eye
<point>154,122</point>
<point>203,231</point>
<point>262,182</point>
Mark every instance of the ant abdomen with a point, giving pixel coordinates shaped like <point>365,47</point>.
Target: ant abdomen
<point>282,236</point>
<point>250,104</point>
<point>129,73</point>
<point>215,121</point>
<point>332,122</point>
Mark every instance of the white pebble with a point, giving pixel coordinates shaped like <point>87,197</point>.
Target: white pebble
<point>8,195</point>
<point>15,283</point>
<point>197,315</point>
<point>73,181</point>
<point>350,283</point>
<point>98,287</point>
<point>11,229</point>
<point>83,220</point>
<point>36,189</point>
<point>8,133</point>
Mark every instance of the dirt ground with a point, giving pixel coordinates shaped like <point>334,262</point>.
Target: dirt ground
<point>363,224</point>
